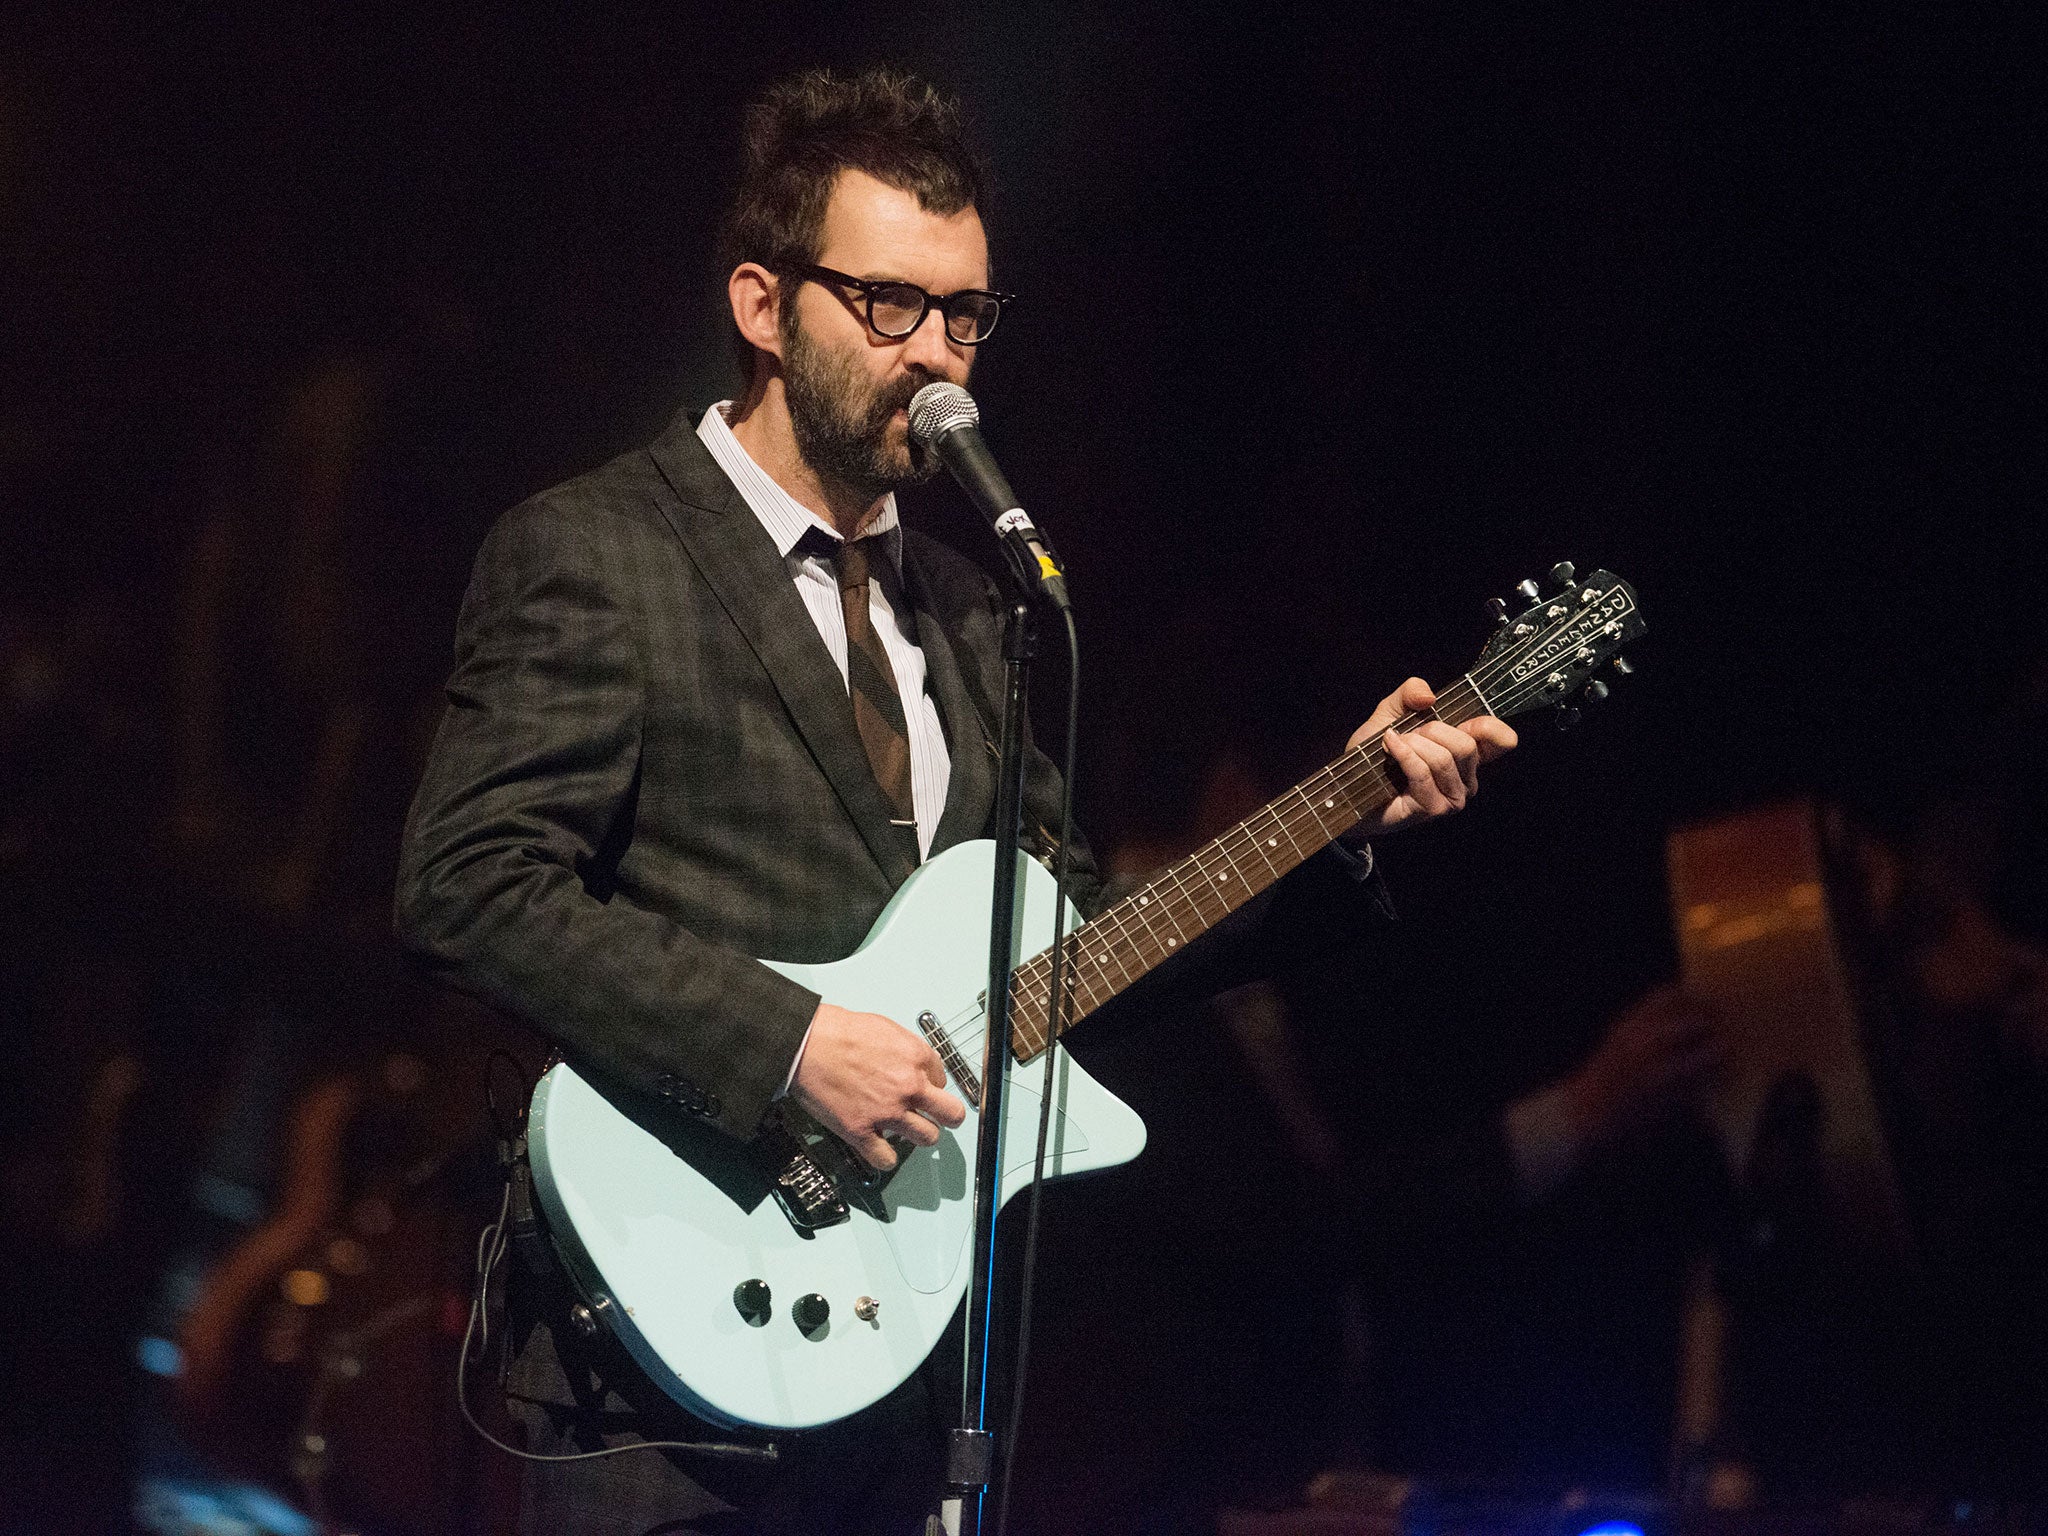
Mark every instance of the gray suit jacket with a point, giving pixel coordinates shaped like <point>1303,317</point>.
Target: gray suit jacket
<point>648,775</point>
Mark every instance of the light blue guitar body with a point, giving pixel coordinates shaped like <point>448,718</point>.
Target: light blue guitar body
<point>659,1249</point>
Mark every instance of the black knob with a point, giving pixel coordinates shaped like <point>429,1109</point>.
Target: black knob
<point>812,1313</point>
<point>1595,691</point>
<point>755,1303</point>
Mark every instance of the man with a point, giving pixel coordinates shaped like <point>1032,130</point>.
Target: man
<point>711,703</point>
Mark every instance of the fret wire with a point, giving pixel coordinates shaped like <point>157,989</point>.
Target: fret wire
<point>1136,930</point>
<point>1289,817</point>
<point>1076,979</point>
<point>1141,902</point>
<point>1181,894</point>
<point>1135,933</point>
<point>1240,848</point>
<point>1206,890</point>
<point>1188,893</point>
<point>1263,876</point>
<point>1218,883</point>
<point>1041,992</point>
<point>1315,810</point>
<point>1164,902</point>
<point>1265,845</point>
<point>1108,951</point>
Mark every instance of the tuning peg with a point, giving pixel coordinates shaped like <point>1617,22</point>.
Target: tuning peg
<point>1563,574</point>
<point>1595,691</point>
<point>1567,717</point>
<point>1527,592</point>
<point>1497,609</point>
<point>1623,667</point>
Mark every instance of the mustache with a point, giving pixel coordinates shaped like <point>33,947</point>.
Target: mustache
<point>897,396</point>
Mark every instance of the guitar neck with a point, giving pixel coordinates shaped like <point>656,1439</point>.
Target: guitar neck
<point>1187,899</point>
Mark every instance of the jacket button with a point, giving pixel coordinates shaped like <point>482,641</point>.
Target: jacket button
<point>712,1108</point>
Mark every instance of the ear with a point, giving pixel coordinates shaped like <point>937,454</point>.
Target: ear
<point>753,291</point>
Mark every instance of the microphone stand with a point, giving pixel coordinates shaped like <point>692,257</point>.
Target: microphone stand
<point>970,1447</point>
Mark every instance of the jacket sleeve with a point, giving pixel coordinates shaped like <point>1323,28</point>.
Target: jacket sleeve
<point>505,882</point>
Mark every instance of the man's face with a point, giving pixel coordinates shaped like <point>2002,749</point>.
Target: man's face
<point>848,388</point>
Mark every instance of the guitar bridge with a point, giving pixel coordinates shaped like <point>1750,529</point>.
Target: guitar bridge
<point>805,1192</point>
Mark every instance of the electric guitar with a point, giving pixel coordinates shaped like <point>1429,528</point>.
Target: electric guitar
<point>781,1282</point>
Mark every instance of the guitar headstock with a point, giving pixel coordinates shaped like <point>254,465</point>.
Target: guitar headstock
<point>1551,650</point>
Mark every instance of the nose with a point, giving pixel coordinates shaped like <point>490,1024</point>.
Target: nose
<point>930,347</point>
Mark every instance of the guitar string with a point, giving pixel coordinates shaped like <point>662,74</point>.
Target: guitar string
<point>1368,761</point>
<point>1029,974</point>
<point>1362,764</point>
<point>1114,930</point>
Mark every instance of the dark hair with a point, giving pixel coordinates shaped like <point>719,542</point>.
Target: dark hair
<point>805,130</point>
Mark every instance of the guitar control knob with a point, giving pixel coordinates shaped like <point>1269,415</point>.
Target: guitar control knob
<point>867,1309</point>
<point>811,1313</point>
<point>754,1301</point>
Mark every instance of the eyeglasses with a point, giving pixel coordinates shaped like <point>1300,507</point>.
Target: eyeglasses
<point>897,309</point>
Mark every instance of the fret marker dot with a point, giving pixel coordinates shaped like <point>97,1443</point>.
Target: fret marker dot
<point>1171,942</point>
<point>1328,803</point>
<point>1222,877</point>
<point>1271,844</point>
<point>1144,901</point>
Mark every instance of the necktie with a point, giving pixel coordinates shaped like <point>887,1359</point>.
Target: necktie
<point>871,681</point>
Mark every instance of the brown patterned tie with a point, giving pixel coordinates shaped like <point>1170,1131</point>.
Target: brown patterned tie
<point>871,681</point>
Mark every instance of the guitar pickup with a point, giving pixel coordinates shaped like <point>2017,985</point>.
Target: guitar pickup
<point>970,1086</point>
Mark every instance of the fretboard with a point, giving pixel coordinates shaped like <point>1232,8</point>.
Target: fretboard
<point>1187,899</point>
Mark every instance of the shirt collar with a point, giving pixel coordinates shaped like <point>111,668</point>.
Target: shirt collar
<point>785,518</point>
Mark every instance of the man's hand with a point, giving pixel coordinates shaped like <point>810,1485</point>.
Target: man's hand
<point>865,1078</point>
<point>1658,1053</point>
<point>1438,764</point>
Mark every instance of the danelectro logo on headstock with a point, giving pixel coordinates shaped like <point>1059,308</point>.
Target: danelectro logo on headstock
<point>1604,614</point>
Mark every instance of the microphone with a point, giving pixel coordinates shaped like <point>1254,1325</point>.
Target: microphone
<point>945,419</point>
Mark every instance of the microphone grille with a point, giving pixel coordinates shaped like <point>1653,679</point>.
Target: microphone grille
<point>938,408</point>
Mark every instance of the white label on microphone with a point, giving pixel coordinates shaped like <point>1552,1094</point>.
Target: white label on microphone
<point>1015,521</point>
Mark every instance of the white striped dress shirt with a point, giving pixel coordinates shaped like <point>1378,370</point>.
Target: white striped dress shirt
<point>787,521</point>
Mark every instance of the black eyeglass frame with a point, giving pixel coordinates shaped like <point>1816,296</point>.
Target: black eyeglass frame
<point>867,288</point>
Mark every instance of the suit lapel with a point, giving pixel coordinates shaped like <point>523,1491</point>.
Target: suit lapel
<point>970,790</point>
<point>738,561</point>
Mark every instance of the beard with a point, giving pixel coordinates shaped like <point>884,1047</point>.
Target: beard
<point>841,418</point>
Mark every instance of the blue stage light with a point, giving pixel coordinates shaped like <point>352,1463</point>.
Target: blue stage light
<point>1613,1528</point>
<point>159,1356</point>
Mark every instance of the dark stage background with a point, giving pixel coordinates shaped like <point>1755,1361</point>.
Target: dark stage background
<point>1332,327</point>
